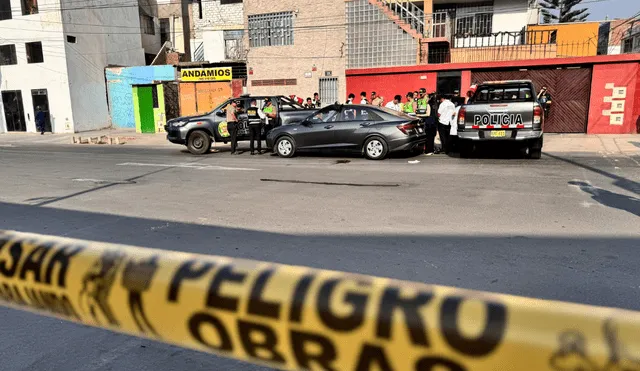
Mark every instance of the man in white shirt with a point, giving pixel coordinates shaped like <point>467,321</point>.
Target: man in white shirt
<point>445,116</point>
<point>363,98</point>
<point>395,103</point>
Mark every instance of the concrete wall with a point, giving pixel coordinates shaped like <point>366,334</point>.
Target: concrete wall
<point>573,39</point>
<point>150,43</point>
<point>45,27</point>
<point>615,99</point>
<point>217,15</point>
<point>214,50</point>
<point>179,34</point>
<point>106,42</point>
<point>510,15</point>
<point>119,83</point>
<point>321,48</point>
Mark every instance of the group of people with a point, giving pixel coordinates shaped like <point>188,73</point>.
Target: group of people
<point>309,103</point>
<point>257,117</point>
<point>439,113</point>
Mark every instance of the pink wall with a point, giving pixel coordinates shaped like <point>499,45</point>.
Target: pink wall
<point>615,99</point>
<point>465,82</point>
<point>388,86</point>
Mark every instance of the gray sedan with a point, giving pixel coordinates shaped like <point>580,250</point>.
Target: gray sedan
<point>372,131</point>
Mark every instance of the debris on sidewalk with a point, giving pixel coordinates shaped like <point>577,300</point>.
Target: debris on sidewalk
<point>104,139</point>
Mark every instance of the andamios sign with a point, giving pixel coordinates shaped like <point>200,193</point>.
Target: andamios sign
<point>206,74</point>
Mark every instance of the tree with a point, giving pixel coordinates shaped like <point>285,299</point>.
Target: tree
<point>562,11</point>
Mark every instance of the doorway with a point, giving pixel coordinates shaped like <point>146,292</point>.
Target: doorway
<point>328,90</point>
<point>14,110</point>
<point>449,82</point>
<point>145,101</point>
<point>41,101</point>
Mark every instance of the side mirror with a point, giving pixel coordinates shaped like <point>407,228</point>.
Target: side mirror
<point>220,114</point>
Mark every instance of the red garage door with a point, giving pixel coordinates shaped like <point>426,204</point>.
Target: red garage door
<point>569,89</point>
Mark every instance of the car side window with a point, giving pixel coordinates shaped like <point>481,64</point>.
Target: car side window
<point>326,115</point>
<point>360,114</point>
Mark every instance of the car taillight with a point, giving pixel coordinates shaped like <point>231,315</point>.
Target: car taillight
<point>461,116</point>
<point>537,115</point>
<point>405,128</point>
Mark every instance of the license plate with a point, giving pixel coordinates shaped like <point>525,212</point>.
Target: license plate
<point>498,134</point>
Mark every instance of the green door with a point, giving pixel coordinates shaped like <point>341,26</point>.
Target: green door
<point>144,106</point>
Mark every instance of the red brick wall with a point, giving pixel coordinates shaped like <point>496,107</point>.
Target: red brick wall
<point>388,86</point>
<point>236,87</point>
<point>605,114</point>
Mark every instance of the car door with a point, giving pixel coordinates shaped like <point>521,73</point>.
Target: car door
<point>317,131</point>
<point>351,131</point>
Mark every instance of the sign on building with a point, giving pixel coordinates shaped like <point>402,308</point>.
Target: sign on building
<point>206,74</point>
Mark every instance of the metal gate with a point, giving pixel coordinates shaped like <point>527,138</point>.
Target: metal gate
<point>569,88</point>
<point>328,90</point>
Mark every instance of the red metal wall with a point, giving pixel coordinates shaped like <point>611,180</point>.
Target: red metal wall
<point>615,99</point>
<point>388,86</point>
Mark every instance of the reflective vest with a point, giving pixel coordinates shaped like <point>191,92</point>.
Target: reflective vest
<point>408,107</point>
<point>254,117</point>
<point>268,109</point>
<point>423,103</point>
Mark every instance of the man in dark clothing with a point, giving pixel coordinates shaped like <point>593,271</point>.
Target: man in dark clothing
<point>256,120</point>
<point>232,124</point>
<point>40,120</point>
<point>431,126</point>
<point>544,98</point>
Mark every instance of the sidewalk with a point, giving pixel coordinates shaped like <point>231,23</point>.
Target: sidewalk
<point>558,143</point>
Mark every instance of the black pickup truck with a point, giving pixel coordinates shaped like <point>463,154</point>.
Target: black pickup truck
<point>199,132</point>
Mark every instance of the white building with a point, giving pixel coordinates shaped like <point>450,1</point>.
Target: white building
<point>218,31</point>
<point>53,54</point>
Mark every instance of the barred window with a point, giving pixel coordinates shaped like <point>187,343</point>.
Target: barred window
<point>271,29</point>
<point>477,25</point>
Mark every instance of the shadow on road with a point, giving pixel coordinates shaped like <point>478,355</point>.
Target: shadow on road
<point>610,199</point>
<point>619,181</point>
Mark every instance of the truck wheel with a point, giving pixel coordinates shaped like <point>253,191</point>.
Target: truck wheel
<point>535,154</point>
<point>199,143</point>
<point>466,149</point>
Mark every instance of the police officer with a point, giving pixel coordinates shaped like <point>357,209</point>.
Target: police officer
<point>270,112</point>
<point>256,123</point>
<point>410,105</point>
<point>431,128</point>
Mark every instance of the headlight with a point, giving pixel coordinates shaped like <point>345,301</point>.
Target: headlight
<point>178,124</point>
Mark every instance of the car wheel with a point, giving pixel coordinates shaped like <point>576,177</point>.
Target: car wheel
<point>199,143</point>
<point>375,148</point>
<point>285,147</point>
<point>534,153</point>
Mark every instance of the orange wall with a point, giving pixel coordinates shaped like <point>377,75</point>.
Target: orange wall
<point>573,39</point>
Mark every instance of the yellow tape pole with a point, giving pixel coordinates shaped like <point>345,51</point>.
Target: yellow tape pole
<point>297,318</point>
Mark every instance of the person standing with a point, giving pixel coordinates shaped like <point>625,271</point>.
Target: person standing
<point>351,98</point>
<point>395,104</point>
<point>256,119</point>
<point>316,100</point>
<point>445,114</point>
<point>41,119</point>
<point>270,113</point>
<point>544,98</point>
<point>309,104</point>
<point>431,126</point>
<point>376,100</point>
<point>423,111</point>
<point>410,105</point>
<point>363,98</point>
<point>232,124</point>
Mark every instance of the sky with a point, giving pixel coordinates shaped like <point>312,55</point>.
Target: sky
<point>612,8</point>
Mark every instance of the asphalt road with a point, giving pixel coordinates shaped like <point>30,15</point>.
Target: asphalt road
<point>566,227</point>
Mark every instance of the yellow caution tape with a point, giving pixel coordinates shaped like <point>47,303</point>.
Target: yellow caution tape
<point>297,318</point>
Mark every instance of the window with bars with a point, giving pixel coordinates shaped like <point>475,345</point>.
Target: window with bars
<point>477,25</point>
<point>273,29</point>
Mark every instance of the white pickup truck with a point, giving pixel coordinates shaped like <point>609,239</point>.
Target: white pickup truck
<point>502,111</point>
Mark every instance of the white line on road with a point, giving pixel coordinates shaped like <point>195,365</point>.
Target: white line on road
<point>189,166</point>
<point>102,181</point>
<point>6,145</point>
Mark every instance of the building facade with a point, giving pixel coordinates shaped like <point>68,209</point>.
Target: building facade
<point>175,26</point>
<point>296,48</point>
<point>217,32</point>
<point>52,58</point>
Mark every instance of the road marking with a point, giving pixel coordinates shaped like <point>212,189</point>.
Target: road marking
<point>6,145</point>
<point>190,166</point>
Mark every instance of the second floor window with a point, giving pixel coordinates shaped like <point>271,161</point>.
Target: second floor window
<point>29,7</point>
<point>147,25</point>
<point>8,55</point>
<point>34,52</point>
<point>5,9</point>
<point>273,29</point>
<point>475,25</point>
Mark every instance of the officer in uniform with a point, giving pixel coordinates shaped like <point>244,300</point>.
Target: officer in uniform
<point>431,128</point>
<point>256,122</point>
